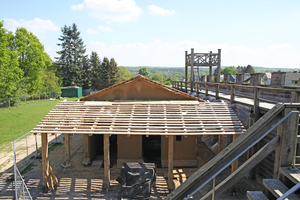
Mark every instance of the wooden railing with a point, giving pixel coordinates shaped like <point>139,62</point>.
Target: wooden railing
<point>256,93</point>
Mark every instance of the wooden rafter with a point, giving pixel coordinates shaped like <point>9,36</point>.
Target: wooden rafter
<point>141,118</point>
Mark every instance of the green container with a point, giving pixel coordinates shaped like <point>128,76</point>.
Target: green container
<point>71,91</point>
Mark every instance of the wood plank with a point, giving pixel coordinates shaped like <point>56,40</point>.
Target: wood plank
<point>277,188</point>
<point>245,167</point>
<point>106,179</point>
<point>291,173</point>
<point>232,150</point>
<point>256,195</point>
<point>53,176</point>
<point>170,161</point>
<point>45,158</point>
<point>86,147</point>
<point>235,163</point>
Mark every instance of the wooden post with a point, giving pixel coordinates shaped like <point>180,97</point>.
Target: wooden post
<point>210,67</point>
<point>219,66</point>
<point>232,95</point>
<point>217,90</point>
<point>295,97</point>
<point>106,179</point>
<point>192,70</point>
<point>235,164</point>
<point>256,104</point>
<point>186,71</point>
<point>180,86</point>
<point>287,131</point>
<point>170,162</point>
<point>197,88</point>
<point>67,150</point>
<point>220,143</point>
<point>206,89</point>
<point>45,159</point>
<point>86,146</point>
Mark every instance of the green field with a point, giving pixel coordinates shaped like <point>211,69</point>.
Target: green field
<point>20,120</point>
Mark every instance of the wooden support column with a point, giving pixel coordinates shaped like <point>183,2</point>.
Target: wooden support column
<point>220,143</point>
<point>67,150</point>
<point>256,104</point>
<point>197,87</point>
<point>287,131</point>
<point>45,159</point>
<point>232,94</point>
<point>219,66</point>
<point>170,162</point>
<point>180,86</point>
<point>295,97</point>
<point>106,179</point>
<point>192,71</point>
<point>186,71</point>
<point>217,91</point>
<point>235,164</point>
<point>206,89</point>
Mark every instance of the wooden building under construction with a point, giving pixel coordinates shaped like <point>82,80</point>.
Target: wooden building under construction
<point>138,120</point>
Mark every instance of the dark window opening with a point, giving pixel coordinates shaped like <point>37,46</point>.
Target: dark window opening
<point>178,137</point>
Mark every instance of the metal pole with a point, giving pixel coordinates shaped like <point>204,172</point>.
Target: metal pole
<point>26,146</point>
<point>15,171</point>
<point>56,138</point>
<point>36,146</point>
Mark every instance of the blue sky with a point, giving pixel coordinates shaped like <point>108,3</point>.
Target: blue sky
<point>157,33</point>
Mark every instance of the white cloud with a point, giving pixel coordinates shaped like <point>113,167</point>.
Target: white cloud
<point>36,26</point>
<point>155,10</point>
<point>110,10</point>
<point>97,44</point>
<point>160,53</point>
<point>91,31</point>
<point>104,29</point>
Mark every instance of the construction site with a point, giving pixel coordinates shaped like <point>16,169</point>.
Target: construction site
<point>199,139</point>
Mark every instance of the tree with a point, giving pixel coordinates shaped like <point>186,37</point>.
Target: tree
<point>229,70</point>
<point>95,64</point>
<point>10,73</point>
<point>109,73</point>
<point>144,72</point>
<point>158,77</point>
<point>86,73</point>
<point>32,59</point>
<point>124,73</point>
<point>249,69</point>
<point>71,55</point>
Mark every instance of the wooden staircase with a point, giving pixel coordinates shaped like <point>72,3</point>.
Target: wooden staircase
<point>275,188</point>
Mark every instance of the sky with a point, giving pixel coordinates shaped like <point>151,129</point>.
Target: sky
<point>262,33</point>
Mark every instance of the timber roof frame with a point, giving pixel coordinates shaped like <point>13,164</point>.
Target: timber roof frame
<point>141,118</point>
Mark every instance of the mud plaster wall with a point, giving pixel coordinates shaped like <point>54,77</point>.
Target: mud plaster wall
<point>185,149</point>
<point>129,147</point>
<point>137,90</point>
<point>95,144</point>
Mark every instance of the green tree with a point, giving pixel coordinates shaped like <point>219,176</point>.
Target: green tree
<point>71,56</point>
<point>10,73</point>
<point>229,70</point>
<point>32,59</point>
<point>144,72</point>
<point>124,73</point>
<point>86,73</point>
<point>50,82</point>
<point>109,73</point>
<point>95,64</point>
<point>249,69</point>
<point>114,72</point>
<point>159,78</point>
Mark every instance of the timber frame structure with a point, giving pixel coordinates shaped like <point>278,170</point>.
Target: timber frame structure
<point>130,117</point>
<point>196,60</point>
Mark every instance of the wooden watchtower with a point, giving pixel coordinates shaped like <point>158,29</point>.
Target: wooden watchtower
<point>196,60</point>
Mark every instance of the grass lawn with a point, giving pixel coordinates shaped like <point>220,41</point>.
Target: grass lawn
<point>20,120</point>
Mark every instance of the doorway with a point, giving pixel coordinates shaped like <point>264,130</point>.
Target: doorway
<point>152,149</point>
